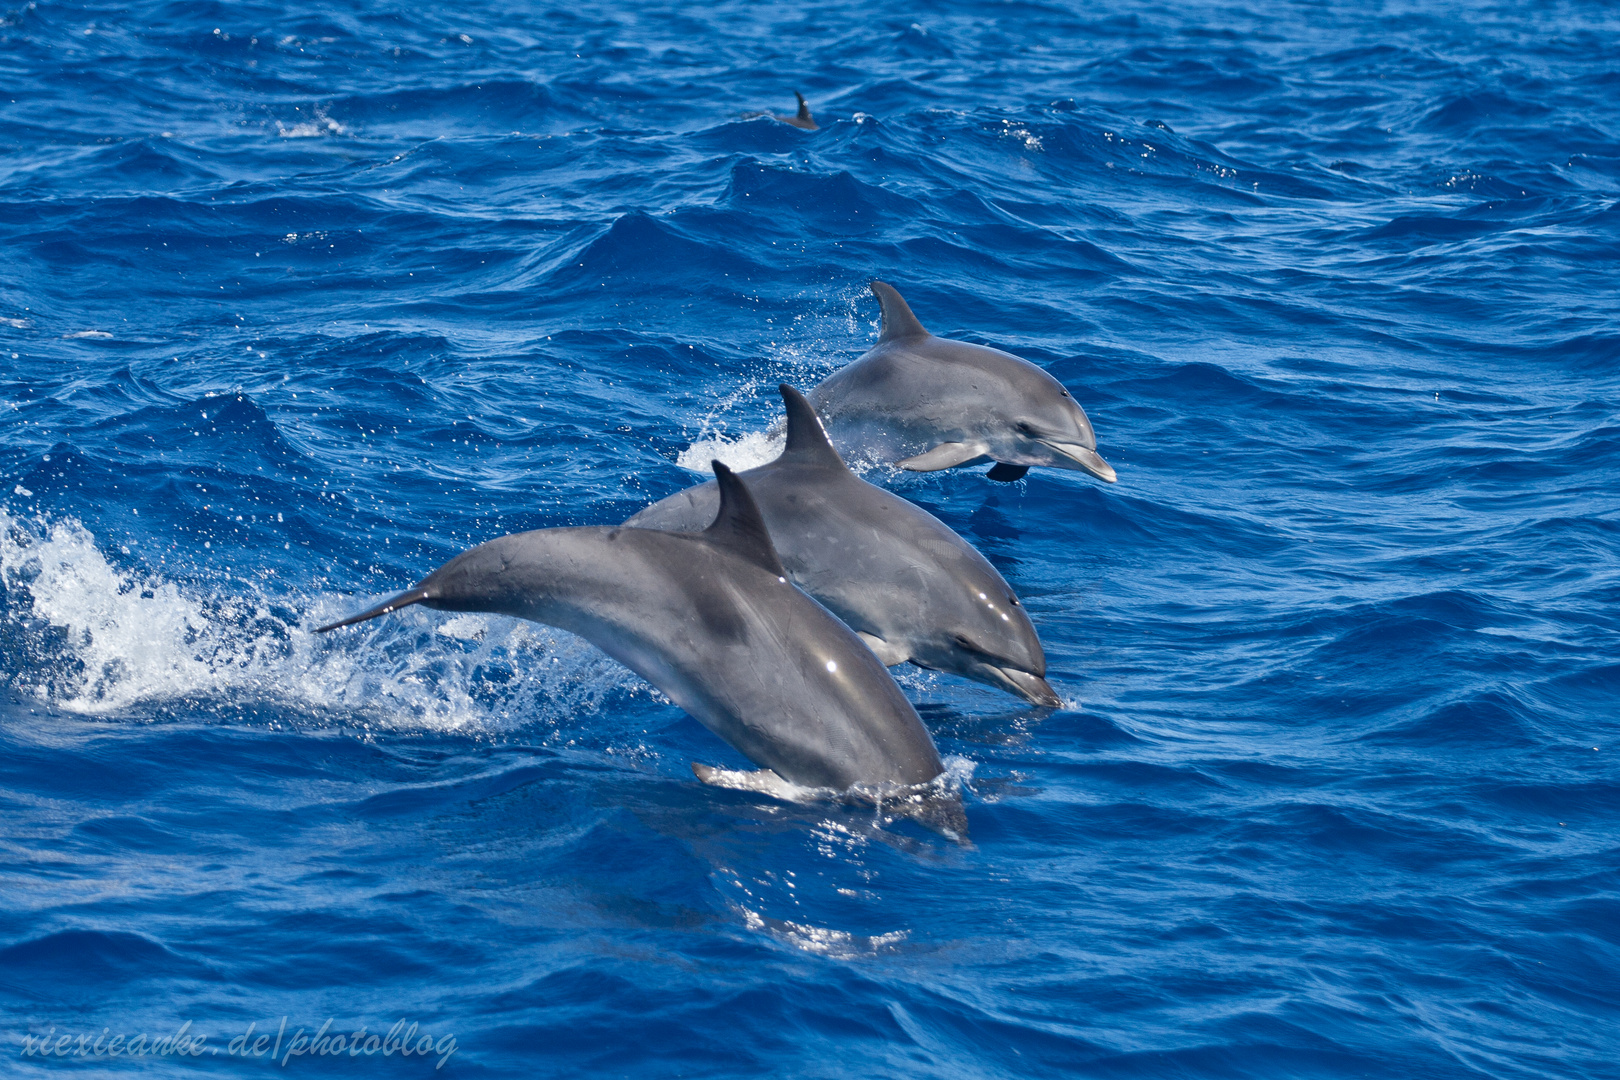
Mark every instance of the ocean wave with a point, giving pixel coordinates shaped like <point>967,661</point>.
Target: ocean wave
<point>299,302</point>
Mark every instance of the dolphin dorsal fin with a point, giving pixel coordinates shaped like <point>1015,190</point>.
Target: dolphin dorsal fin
<point>804,108</point>
<point>739,527</point>
<point>898,321</point>
<point>807,442</point>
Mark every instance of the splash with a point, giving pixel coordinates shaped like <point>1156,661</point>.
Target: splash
<point>822,940</point>
<point>1013,130</point>
<point>712,443</point>
<point>801,352</point>
<point>744,452</point>
<point>314,128</point>
<point>99,639</point>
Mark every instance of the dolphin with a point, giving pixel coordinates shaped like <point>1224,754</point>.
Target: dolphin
<point>801,119</point>
<point>711,620</point>
<point>909,586</point>
<point>926,403</point>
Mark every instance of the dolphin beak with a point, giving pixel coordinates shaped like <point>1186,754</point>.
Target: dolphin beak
<point>1087,459</point>
<point>1032,688</point>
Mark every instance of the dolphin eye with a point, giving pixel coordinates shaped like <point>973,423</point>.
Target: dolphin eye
<point>1024,428</point>
<point>1065,393</point>
<point>1013,600</point>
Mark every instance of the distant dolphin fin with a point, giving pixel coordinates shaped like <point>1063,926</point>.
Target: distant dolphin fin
<point>898,321</point>
<point>944,456</point>
<point>1006,473</point>
<point>404,599</point>
<point>801,119</point>
<point>807,440</point>
<point>739,527</point>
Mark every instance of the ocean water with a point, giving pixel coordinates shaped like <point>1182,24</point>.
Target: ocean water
<point>298,300</point>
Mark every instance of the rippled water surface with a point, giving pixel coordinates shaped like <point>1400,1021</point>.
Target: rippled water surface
<point>298,301</point>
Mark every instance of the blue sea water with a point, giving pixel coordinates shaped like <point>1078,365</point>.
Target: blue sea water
<point>298,300</point>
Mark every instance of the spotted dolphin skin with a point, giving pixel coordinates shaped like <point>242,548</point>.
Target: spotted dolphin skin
<point>711,620</point>
<point>926,403</point>
<point>912,588</point>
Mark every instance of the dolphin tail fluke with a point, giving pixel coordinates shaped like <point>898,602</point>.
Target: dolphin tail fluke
<point>898,321</point>
<point>807,440</point>
<point>404,599</point>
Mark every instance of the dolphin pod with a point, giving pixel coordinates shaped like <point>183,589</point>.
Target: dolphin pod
<point>911,588</point>
<point>709,616</point>
<point>711,620</point>
<point>925,403</point>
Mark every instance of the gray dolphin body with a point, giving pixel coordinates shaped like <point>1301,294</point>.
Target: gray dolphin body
<point>712,621</point>
<point>912,588</point>
<point>926,403</point>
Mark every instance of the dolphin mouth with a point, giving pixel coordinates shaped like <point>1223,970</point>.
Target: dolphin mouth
<point>1086,458</point>
<point>1032,688</point>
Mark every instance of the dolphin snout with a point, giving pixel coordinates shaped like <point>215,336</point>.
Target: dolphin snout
<point>1031,688</point>
<point>1085,457</point>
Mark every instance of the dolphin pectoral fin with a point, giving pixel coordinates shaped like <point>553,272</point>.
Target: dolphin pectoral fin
<point>1006,473</point>
<point>404,599</point>
<point>889,655</point>
<point>944,456</point>
<point>1086,458</point>
<point>764,781</point>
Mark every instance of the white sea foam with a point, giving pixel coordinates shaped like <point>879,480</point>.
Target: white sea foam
<point>743,452</point>
<point>104,640</point>
<point>311,129</point>
<point>958,772</point>
<point>822,940</point>
<point>1012,130</point>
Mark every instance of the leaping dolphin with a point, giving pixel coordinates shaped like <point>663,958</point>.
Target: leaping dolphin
<point>927,403</point>
<point>711,619</point>
<point>909,586</point>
